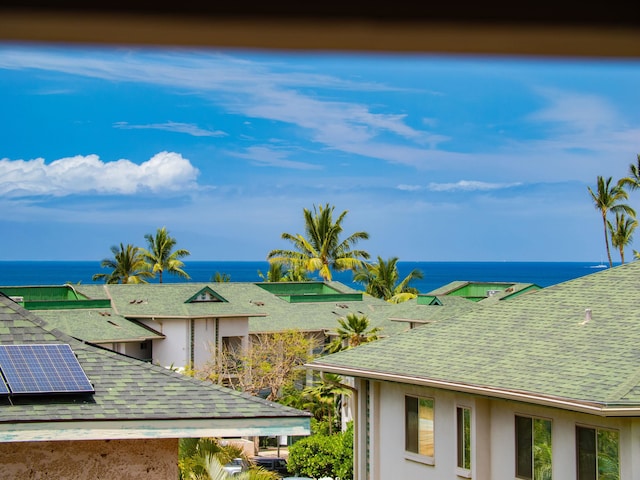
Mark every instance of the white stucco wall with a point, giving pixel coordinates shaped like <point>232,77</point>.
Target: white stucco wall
<point>174,348</point>
<point>204,340</point>
<point>234,327</point>
<point>493,436</point>
<point>131,349</point>
<point>103,459</point>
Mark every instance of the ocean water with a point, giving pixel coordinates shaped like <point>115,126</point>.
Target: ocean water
<point>435,274</point>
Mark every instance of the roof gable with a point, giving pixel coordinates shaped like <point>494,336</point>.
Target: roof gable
<point>429,300</point>
<point>206,294</point>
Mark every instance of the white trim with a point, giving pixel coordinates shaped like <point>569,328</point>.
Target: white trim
<point>112,430</point>
<point>593,408</point>
<point>416,457</point>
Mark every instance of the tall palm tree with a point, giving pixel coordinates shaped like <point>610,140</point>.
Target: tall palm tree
<point>381,280</point>
<point>607,199</point>
<point>622,232</point>
<point>321,248</point>
<point>353,330</point>
<point>128,266</point>
<point>161,257</point>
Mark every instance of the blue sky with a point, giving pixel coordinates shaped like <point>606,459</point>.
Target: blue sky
<point>448,158</point>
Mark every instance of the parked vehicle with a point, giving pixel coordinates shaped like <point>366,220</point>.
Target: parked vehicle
<point>275,464</point>
<point>236,466</point>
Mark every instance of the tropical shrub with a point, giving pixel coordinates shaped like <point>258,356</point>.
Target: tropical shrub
<point>321,456</point>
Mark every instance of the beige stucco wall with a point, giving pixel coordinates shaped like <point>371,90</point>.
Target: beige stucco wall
<point>97,459</point>
<point>492,442</point>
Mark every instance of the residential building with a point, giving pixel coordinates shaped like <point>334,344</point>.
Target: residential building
<point>73,410</point>
<point>183,324</point>
<point>542,386</point>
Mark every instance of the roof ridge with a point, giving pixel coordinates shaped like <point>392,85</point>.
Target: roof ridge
<point>627,386</point>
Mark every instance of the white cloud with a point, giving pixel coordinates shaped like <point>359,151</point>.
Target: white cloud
<point>469,186</point>
<point>579,112</point>
<point>409,188</point>
<point>165,171</point>
<point>263,156</point>
<point>242,87</point>
<point>177,127</point>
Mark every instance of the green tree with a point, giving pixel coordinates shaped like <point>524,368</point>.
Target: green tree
<point>622,232</point>
<point>319,456</point>
<point>321,248</point>
<point>127,266</point>
<point>325,398</point>
<point>280,273</point>
<point>607,198</point>
<point>353,330</point>
<point>221,277</point>
<point>382,280</point>
<point>161,256</point>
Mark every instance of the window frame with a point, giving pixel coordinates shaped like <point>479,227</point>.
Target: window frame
<point>597,452</point>
<point>412,428</point>
<point>464,452</point>
<point>529,443</point>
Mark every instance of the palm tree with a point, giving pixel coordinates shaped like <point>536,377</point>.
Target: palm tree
<point>622,232</point>
<point>325,397</point>
<point>353,330</point>
<point>160,256</point>
<point>633,180</point>
<point>321,248</point>
<point>221,277</point>
<point>213,469</point>
<point>204,459</point>
<point>607,199</point>
<point>280,273</point>
<point>128,266</point>
<point>381,280</point>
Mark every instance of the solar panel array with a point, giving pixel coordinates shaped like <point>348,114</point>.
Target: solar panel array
<point>41,368</point>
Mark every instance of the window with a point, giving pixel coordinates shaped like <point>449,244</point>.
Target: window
<point>597,452</point>
<point>419,425</point>
<point>463,425</point>
<point>533,448</point>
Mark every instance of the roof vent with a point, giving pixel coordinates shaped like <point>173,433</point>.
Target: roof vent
<point>587,316</point>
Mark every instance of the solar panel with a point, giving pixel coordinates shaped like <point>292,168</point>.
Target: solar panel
<point>42,368</point>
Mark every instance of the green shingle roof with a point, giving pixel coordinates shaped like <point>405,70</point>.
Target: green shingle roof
<point>266,311</point>
<point>130,391</point>
<point>97,325</point>
<point>537,344</point>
